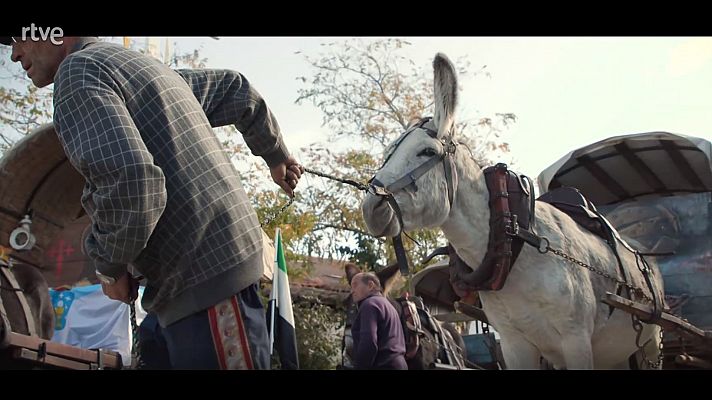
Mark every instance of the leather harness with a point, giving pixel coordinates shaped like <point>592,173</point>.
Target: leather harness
<point>6,271</point>
<point>512,223</point>
<point>511,214</point>
<point>377,188</point>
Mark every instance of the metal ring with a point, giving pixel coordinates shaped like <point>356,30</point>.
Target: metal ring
<point>22,239</point>
<point>543,249</point>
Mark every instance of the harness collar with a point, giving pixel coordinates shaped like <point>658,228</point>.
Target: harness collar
<point>511,209</point>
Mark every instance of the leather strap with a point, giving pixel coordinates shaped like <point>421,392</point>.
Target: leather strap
<point>21,297</point>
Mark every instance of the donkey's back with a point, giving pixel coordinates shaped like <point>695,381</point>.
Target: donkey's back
<point>551,305</point>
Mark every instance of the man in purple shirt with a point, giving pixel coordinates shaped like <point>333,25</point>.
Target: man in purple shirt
<point>377,332</point>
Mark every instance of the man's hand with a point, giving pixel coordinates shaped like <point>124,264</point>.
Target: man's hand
<point>287,175</point>
<point>124,289</point>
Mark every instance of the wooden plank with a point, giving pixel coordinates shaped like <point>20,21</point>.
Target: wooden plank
<point>644,311</point>
<point>681,163</point>
<point>22,353</point>
<point>111,359</point>
<point>475,312</point>
<point>454,317</point>
<point>686,359</point>
<point>605,179</point>
<point>641,167</point>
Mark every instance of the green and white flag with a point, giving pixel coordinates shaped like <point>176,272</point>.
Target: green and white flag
<point>280,315</point>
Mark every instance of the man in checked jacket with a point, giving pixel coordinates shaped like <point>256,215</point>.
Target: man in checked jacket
<point>163,195</point>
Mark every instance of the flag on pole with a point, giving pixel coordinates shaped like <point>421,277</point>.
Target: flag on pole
<point>280,314</point>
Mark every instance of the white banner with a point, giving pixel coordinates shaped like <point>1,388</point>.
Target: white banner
<point>86,318</point>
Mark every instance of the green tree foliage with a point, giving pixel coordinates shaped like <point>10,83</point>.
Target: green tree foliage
<point>318,330</point>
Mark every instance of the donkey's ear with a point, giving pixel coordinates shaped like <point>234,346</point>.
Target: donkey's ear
<point>351,271</point>
<point>445,89</point>
<point>387,276</point>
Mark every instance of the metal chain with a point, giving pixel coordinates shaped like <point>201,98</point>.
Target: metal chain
<point>638,327</point>
<point>661,356</point>
<point>136,361</point>
<point>278,213</point>
<point>357,185</point>
<point>595,270</point>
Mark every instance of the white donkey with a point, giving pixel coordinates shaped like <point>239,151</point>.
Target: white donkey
<point>547,307</point>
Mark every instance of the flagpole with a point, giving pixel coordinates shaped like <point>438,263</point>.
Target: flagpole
<point>284,328</point>
<point>275,293</point>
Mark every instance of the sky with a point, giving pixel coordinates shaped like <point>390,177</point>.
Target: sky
<point>566,92</point>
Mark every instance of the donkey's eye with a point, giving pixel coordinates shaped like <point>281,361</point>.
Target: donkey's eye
<point>429,152</point>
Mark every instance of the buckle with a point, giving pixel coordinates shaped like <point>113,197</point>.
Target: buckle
<point>512,229</point>
<point>378,190</point>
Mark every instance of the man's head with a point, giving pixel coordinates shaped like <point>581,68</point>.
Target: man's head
<point>40,58</point>
<point>363,285</point>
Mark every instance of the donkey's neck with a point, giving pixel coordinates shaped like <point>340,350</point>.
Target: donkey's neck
<point>467,226</point>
